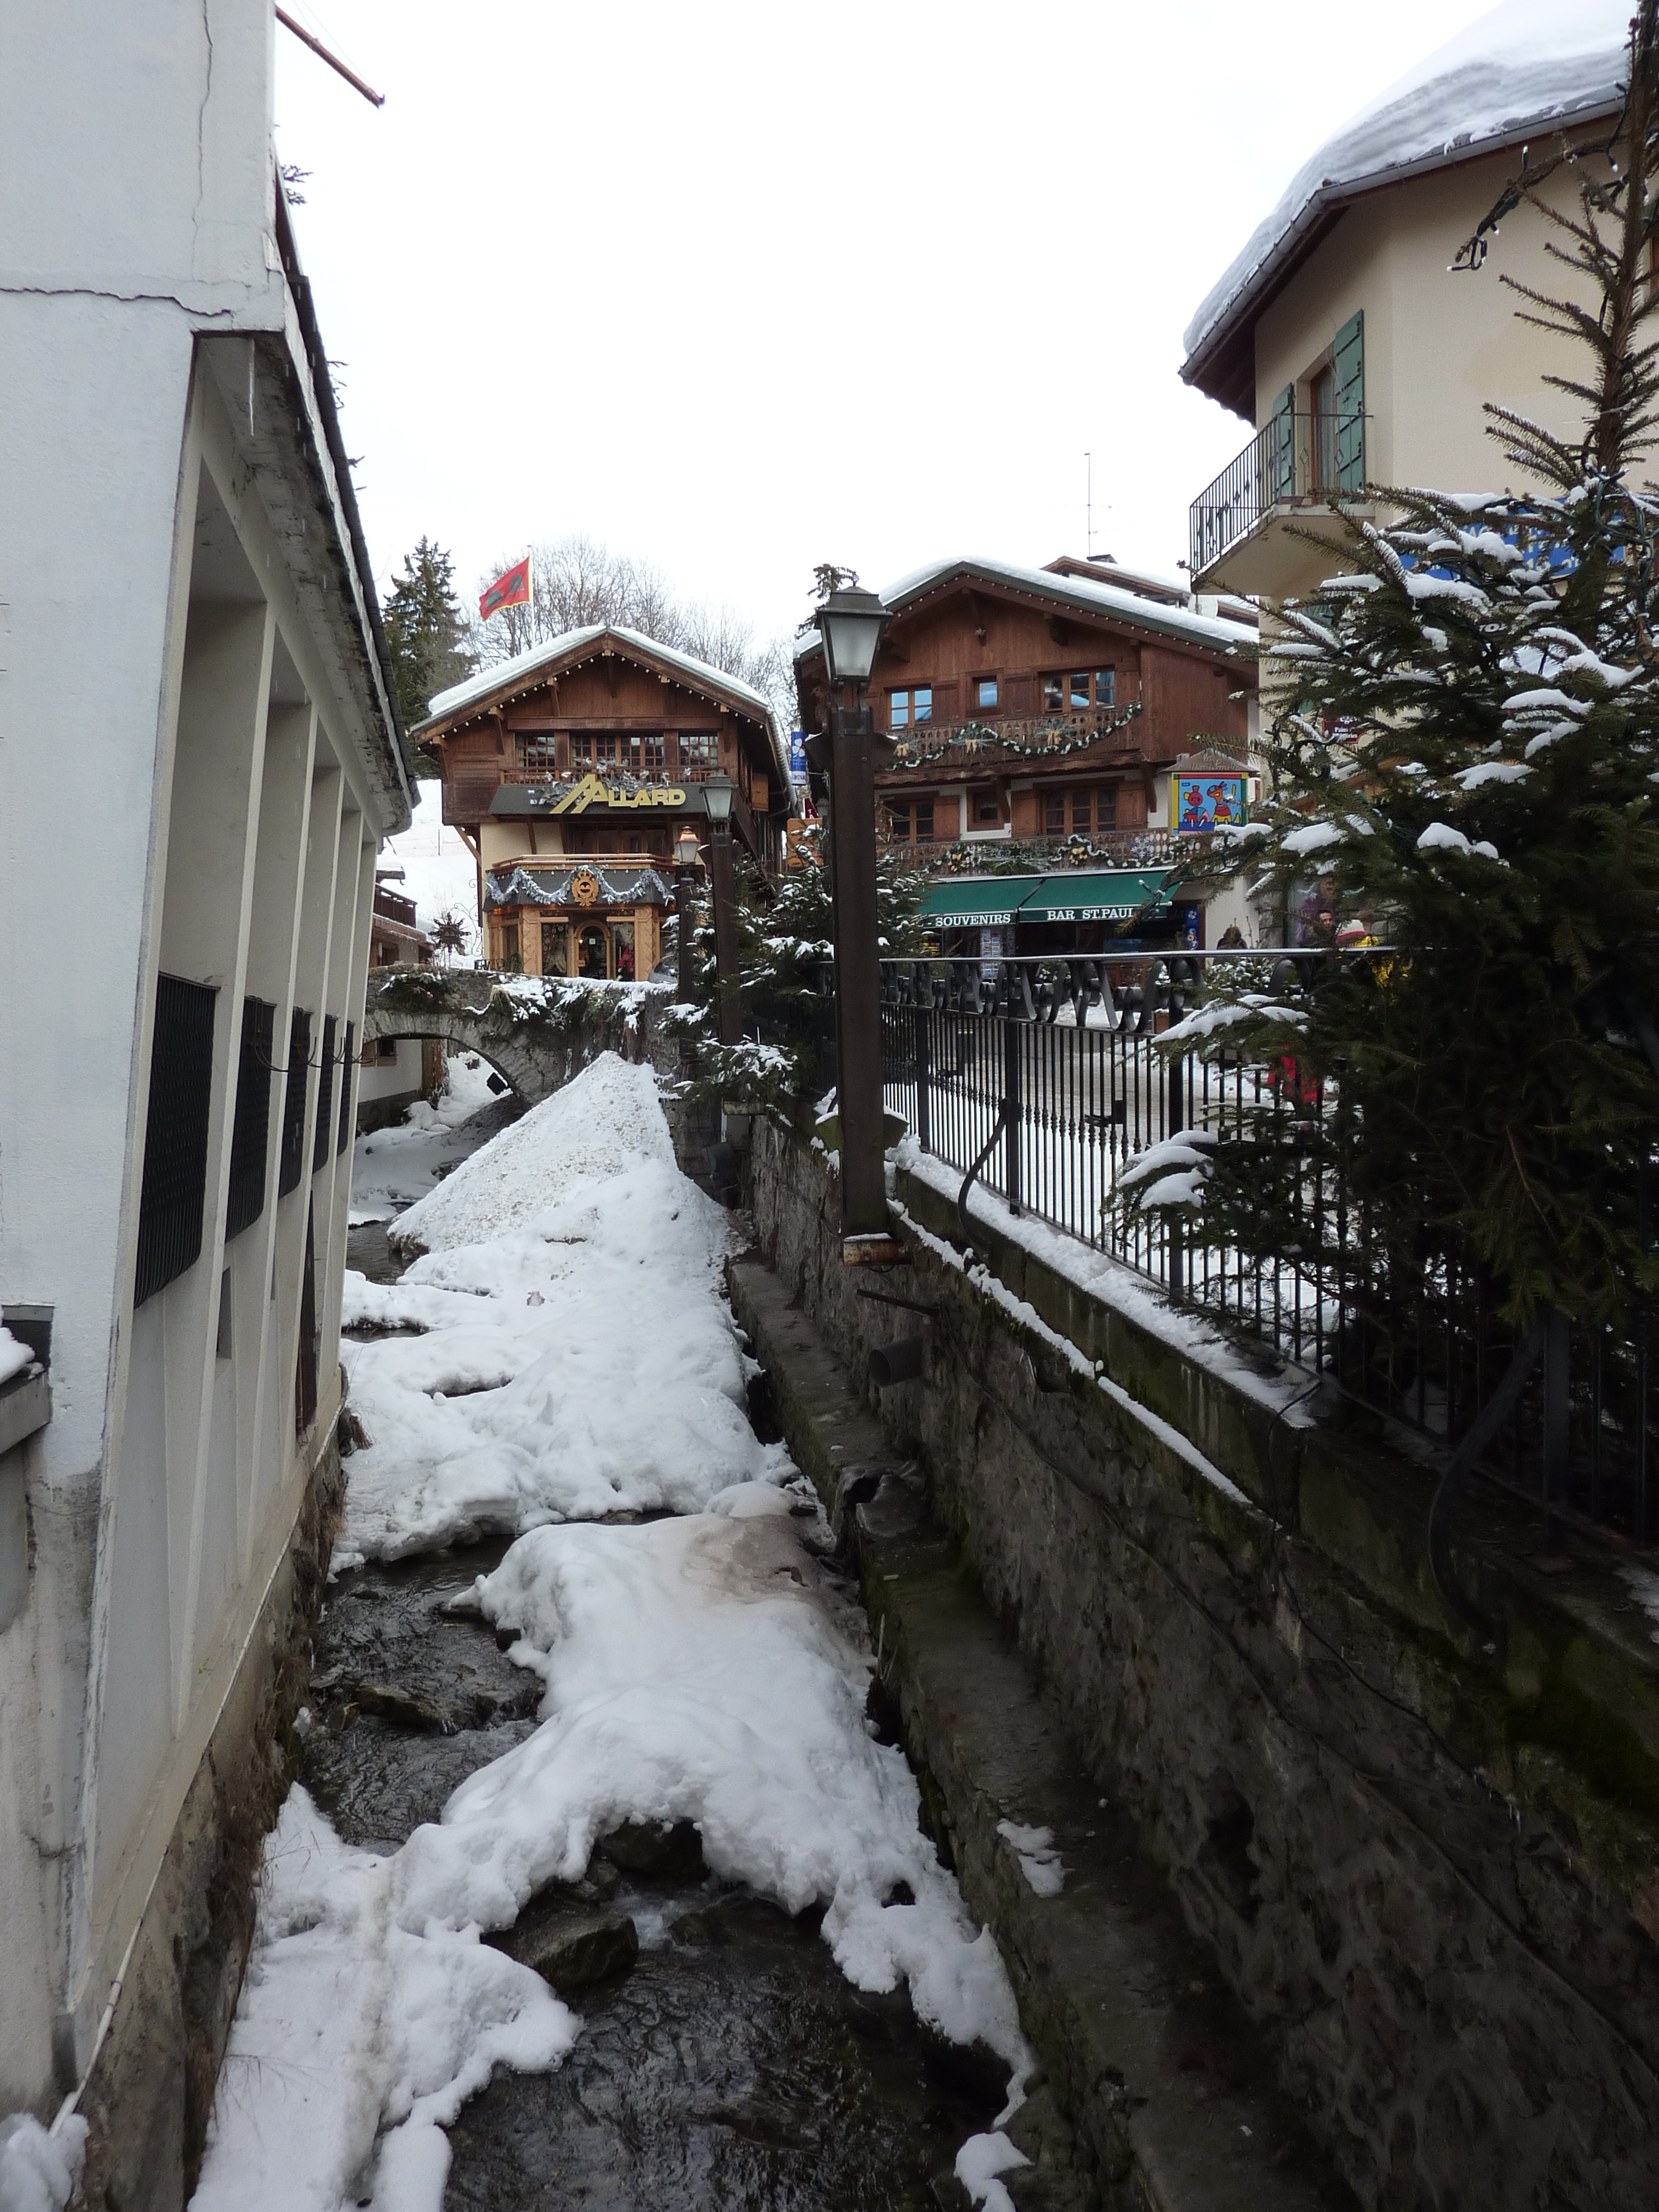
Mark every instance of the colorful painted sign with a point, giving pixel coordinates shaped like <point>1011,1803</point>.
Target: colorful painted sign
<point>1205,804</point>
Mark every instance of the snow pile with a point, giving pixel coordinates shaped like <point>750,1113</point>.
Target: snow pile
<point>576,1359</point>
<point>699,1670</point>
<point>391,1168</point>
<point>39,2171</point>
<point>1038,1855</point>
<point>355,2033</point>
<point>14,1355</point>
<point>979,2162</point>
<point>1523,63</point>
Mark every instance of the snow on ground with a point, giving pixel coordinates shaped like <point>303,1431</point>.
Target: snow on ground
<point>391,1168</point>
<point>354,2026</point>
<point>576,1357</point>
<point>440,874</point>
<point>700,1670</point>
<point>40,2170</point>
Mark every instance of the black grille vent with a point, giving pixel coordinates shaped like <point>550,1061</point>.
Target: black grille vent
<point>347,1061</point>
<point>294,1104</point>
<point>325,1097</point>
<point>250,1138</point>
<point>175,1135</point>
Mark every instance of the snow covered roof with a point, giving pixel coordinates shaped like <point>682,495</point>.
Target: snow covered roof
<point>1525,64</point>
<point>525,668</point>
<point>1082,593</point>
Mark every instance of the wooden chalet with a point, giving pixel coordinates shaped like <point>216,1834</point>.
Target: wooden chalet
<point>1042,718</point>
<point>571,772</point>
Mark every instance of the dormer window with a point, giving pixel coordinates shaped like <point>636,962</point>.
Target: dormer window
<point>911,706</point>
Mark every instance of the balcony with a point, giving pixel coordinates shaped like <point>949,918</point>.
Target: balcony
<point>1297,469</point>
<point>1019,735</point>
<point>1104,848</point>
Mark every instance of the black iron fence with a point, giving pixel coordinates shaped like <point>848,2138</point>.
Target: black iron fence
<point>1295,460</point>
<point>1042,1077</point>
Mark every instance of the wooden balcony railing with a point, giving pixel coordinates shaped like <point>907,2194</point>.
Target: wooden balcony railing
<point>1018,734</point>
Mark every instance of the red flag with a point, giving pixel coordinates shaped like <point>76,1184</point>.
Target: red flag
<point>512,590</point>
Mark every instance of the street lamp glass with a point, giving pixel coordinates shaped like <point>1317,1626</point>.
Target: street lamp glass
<point>685,848</point>
<point>851,623</point>
<point>718,792</point>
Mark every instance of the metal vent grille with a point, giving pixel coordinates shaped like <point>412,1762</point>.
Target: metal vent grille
<point>175,1135</point>
<point>294,1104</point>
<point>250,1138</point>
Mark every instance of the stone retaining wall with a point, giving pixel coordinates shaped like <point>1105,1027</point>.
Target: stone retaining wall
<point>1429,1871</point>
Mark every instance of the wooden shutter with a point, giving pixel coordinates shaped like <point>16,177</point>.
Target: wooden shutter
<point>1348,359</point>
<point>1280,458</point>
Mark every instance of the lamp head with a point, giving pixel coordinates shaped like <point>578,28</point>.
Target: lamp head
<point>718,792</point>
<point>685,848</point>
<point>851,622</point>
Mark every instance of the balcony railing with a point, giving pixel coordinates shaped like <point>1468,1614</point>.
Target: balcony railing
<point>1058,732</point>
<point>1297,460</point>
<point>952,854</point>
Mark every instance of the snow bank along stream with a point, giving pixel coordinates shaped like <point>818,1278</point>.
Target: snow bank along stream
<point>660,1668</point>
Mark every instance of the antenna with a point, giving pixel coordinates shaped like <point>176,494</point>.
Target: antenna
<point>1089,505</point>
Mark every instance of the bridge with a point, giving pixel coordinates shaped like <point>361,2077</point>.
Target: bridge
<point>536,1032</point>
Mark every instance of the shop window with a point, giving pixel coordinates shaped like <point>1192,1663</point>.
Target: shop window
<point>700,751</point>
<point>325,1097</point>
<point>914,704</point>
<point>175,1135</point>
<point>250,1137</point>
<point>555,949</point>
<point>536,754</point>
<point>986,691</point>
<point>622,951</point>
<point>591,951</point>
<point>512,959</point>
<point>292,1159</point>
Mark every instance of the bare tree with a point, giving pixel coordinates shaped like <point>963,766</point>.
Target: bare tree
<point>576,582</point>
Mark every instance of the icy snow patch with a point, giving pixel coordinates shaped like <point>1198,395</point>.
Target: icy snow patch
<point>351,2023</point>
<point>1645,1588</point>
<point>39,2170</point>
<point>15,1357</point>
<point>979,2162</point>
<point>702,1669</point>
<point>1039,1858</point>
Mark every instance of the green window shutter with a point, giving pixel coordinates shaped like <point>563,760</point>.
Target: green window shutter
<point>1348,357</point>
<point>1279,472</point>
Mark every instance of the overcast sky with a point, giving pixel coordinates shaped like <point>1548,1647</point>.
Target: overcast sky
<point>741,288</point>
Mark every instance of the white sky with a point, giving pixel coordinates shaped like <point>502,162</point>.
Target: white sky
<point>744,287</point>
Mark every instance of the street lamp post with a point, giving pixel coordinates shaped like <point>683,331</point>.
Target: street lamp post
<point>718,792</point>
<point>851,623</point>
<point>686,855</point>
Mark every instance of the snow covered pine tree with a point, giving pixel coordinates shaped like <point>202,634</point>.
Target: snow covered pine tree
<point>1467,740</point>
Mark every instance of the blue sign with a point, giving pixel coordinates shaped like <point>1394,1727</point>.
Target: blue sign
<point>797,757</point>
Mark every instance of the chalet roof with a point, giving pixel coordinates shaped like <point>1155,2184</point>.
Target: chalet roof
<point>1525,64</point>
<point>1082,595</point>
<point>526,669</point>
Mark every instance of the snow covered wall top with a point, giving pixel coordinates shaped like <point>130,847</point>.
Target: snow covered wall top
<point>1526,63</point>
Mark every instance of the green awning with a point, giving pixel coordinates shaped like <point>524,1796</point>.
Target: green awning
<point>1112,895</point>
<point>982,902</point>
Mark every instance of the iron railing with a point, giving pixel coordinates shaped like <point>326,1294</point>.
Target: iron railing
<point>1046,1074</point>
<point>1295,461</point>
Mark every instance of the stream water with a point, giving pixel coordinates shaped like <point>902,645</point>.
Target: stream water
<point>731,2066</point>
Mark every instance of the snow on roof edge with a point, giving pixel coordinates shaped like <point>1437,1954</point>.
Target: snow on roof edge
<point>1517,67</point>
<point>1084,590</point>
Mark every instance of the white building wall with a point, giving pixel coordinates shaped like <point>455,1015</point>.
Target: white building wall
<point>193,737</point>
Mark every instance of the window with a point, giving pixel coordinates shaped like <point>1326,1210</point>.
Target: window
<point>325,1097</point>
<point>511,958</point>
<point>988,808</point>
<point>294,1103</point>
<point>536,754</point>
<point>1073,693</point>
<point>898,820</point>
<point>911,821</point>
<point>556,954</point>
<point>985,691</point>
<point>1053,813</point>
<point>915,704</point>
<point>251,1130</point>
<point>175,1134</point>
<point>924,822</point>
<point>644,753</point>
<point>700,751</point>
<point>1106,807</point>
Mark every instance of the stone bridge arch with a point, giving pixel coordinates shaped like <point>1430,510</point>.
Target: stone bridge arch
<point>535,1035</point>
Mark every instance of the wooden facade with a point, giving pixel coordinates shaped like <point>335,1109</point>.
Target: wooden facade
<point>1045,704</point>
<point>571,772</point>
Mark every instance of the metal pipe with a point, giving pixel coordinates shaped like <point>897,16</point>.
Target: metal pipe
<point>899,1362</point>
<point>858,971</point>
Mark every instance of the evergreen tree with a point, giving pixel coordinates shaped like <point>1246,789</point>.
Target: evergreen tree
<point>1467,742</point>
<point>426,631</point>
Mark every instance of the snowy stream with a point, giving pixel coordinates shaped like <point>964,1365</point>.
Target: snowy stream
<point>589,1685</point>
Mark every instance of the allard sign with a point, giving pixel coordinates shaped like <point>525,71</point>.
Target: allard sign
<point>592,791</point>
